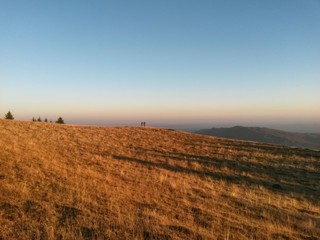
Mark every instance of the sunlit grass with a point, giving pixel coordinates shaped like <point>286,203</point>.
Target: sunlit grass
<point>75,182</point>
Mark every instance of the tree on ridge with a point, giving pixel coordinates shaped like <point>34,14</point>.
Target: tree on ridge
<point>60,120</point>
<point>9,116</point>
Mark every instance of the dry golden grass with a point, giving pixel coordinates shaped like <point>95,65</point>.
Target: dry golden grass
<point>77,182</point>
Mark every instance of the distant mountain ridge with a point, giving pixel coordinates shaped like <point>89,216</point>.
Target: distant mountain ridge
<point>266,135</point>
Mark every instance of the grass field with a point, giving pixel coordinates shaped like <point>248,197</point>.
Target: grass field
<point>81,182</point>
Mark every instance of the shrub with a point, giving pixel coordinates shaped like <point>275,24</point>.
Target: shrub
<point>9,116</point>
<point>60,120</point>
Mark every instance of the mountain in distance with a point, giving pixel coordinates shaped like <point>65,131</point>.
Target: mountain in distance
<point>266,135</point>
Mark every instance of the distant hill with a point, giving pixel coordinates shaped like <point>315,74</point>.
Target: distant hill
<point>266,135</point>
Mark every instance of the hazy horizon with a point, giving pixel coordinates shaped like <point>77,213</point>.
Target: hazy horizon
<point>181,64</point>
<point>190,126</point>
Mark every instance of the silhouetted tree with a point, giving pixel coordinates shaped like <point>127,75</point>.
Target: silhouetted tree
<point>60,120</point>
<point>9,116</point>
<point>33,119</point>
<point>45,120</point>
<point>39,119</point>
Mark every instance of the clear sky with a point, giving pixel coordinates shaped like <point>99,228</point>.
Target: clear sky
<point>168,62</point>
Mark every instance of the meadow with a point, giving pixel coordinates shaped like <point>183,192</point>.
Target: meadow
<point>88,182</point>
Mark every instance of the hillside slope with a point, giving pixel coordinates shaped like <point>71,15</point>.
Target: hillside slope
<point>76,182</point>
<point>266,135</point>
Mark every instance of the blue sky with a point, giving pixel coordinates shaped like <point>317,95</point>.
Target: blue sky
<point>182,63</point>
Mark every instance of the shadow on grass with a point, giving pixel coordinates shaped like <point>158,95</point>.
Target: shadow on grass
<point>285,179</point>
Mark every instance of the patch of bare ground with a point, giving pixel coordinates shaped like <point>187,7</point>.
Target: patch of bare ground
<point>78,182</point>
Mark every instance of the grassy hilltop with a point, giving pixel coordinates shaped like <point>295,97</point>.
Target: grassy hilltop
<point>77,182</point>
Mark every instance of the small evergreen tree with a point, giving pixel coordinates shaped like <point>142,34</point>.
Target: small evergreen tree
<point>9,116</point>
<point>45,120</point>
<point>39,119</point>
<point>33,119</point>
<point>60,120</point>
